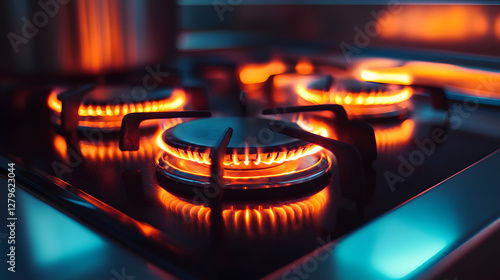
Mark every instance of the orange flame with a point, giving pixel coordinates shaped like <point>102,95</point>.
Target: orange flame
<point>251,219</point>
<point>109,150</point>
<point>361,99</point>
<point>255,73</point>
<point>243,161</point>
<point>177,99</point>
<point>249,160</point>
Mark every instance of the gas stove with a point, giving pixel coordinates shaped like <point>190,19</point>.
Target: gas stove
<point>254,162</point>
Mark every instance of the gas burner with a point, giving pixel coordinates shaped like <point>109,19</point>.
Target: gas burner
<point>103,107</point>
<point>360,99</point>
<point>258,163</point>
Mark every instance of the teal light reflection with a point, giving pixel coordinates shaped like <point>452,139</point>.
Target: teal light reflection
<point>400,243</point>
<point>57,240</point>
<point>406,250</point>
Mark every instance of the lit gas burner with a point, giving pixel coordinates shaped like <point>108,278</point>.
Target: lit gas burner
<point>361,99</point>
<point>259,163</point>
<point>103,107</point>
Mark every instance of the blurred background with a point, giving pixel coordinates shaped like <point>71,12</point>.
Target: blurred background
<point>88,37</point>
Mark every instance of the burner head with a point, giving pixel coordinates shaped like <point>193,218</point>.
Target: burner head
<point>104,106</point>
<point>259,163</point>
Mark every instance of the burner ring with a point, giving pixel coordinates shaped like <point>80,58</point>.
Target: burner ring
<point>313,174</point>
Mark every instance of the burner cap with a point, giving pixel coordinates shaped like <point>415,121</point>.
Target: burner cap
<point>355,86</point>
<point>112,95</point>
<point>249,135</point>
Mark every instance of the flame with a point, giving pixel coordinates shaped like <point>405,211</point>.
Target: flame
<point>255,73</point>
<point>347,98</point>
<point>175,101</point>
<point>243,161</point>
<point>168,123</point>
<point>438,23</point>
<point>304,66</point>
<point>253,218</point>
<point>391,138</point>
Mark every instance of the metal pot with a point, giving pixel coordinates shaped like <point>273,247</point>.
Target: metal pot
<point>84,37</point>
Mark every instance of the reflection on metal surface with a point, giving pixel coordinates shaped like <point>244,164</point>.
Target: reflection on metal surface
<point>60,146</point>
<point>82,37</point>
<point>479,82</point>
<point>397,246</point>
<point>53,245</point>
<point>393,137</point>
<point>100,29</point>
<point>439,24</point>
<point>251,219</point>
<point>108,150</point>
